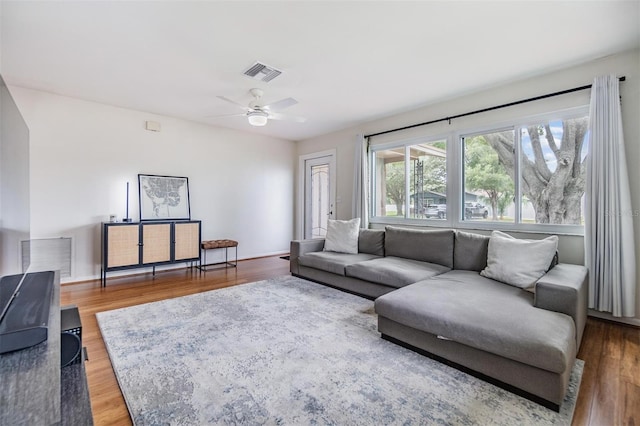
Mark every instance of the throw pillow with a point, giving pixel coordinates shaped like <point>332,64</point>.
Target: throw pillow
<point>371,241</point>
<point>342,235</point>
<point>470,251</point>
<point>433,246</point>
<point>518,262</point>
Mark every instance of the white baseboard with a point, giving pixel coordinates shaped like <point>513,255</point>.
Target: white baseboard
<point>609,317</point>
<point>142,270</point>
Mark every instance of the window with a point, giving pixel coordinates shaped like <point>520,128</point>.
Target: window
<point>553,171</point>
<point>415,169</point>
<point>527,174</point>
<point>488,178</point>
<point>390,191</point>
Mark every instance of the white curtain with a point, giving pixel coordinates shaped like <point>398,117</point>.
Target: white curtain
<point>360,207</point>
<point>609,237</point>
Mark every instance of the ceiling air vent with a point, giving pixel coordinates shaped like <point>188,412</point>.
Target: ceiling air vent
<point>262,72</point>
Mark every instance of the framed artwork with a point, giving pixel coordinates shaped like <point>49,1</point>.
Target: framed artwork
<point>164,197</point>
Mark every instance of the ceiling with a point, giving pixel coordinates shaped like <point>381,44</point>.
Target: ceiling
<point>345,62</point>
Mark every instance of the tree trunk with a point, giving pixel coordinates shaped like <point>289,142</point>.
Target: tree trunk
<point>556,196</point>
<point>494,209</point>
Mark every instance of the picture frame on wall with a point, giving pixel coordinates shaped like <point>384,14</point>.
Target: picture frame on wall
<point>163,197</point>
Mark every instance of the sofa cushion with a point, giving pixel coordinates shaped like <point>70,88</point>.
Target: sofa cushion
<point>331,261</point>
<point>371,241</point>
<point>427,246</point>
<point>485,314</point>
<point>394,271</point>
<point>470,251</point>
<point>518,262</point>
<point>342,236</point>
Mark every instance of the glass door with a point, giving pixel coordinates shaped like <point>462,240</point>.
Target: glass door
<point>318,195</point>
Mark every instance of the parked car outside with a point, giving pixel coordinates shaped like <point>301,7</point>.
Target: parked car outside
<point>475,210</point>
<point>436,210</point>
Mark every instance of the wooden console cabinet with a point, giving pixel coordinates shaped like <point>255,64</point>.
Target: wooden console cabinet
<point>128,245</point>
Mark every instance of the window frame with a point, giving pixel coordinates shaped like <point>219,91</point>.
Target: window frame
<point>515,124</point>
<point>460,221</point>
<point>455,173</point>
<point>406,144</point>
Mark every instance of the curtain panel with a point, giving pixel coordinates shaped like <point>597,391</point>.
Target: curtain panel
<point>609,237</point>
<point>360,207</point>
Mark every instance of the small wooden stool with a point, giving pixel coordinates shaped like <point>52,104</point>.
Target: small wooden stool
<point>217,244</point>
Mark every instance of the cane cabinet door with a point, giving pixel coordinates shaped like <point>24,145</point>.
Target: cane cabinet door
<point>187,240</point>
<point>122,245</point>
<point>156,242</point>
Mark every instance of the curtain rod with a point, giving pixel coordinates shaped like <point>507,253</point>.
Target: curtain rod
<point>548,95</point>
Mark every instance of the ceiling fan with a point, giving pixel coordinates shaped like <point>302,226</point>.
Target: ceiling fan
<point>258,113</point>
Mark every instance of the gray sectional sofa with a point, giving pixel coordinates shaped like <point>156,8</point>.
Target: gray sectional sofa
<point>430,296</point>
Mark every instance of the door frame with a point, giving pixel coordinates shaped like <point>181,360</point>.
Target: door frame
<point>300,208</point>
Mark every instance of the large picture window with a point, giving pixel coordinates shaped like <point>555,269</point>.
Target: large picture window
<point>528,174</point>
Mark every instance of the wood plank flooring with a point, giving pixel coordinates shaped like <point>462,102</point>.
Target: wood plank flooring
<point>609,393</point>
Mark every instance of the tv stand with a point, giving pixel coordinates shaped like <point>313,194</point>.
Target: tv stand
<point>129,245</point>
<point>35,389</point>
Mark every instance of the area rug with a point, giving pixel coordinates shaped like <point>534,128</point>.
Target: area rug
<point>287,351</point>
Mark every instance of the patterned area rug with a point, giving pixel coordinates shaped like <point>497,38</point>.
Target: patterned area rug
<point>287,351</point>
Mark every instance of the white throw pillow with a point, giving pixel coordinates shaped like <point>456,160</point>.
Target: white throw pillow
<point>342,235</point>
<point>518,262</point>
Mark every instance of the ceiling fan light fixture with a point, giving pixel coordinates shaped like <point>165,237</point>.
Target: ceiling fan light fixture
<point>257,118</point>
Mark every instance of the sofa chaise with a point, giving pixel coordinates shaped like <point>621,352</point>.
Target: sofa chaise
<point>434,293</point>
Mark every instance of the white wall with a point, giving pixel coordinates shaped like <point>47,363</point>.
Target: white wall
<point>571,248</point>
<point>83,153</point>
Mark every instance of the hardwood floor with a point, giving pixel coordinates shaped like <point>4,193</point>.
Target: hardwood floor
<point>609,393</point>
<point>610,388</point>
<point>107,402</point>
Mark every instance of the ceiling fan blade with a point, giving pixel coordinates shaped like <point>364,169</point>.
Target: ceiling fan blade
<point>281,104</point>
<point>244,107</point>
<point>226,115</point>
<point>278,116</point>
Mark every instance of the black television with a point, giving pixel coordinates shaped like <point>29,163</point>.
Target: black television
<point>15,214</point>
<point>24,297</point>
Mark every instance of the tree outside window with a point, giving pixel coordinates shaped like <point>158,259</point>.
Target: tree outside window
<point>487,176</point>
<point>551,171</point>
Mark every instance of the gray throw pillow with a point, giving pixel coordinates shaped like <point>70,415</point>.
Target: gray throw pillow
<point>518,262</point>
<point>433,246</point>
<point>342,236</point>
<point>470,251</point>
<point>371,241</point>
